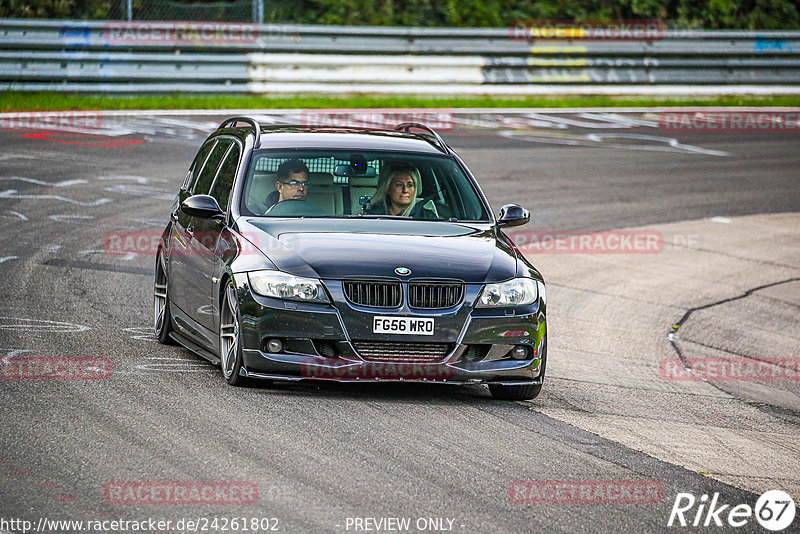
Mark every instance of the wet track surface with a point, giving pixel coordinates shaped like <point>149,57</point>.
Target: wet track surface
<point>319,454</point>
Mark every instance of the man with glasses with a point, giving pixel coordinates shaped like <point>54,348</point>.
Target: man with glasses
<point>292,182</point>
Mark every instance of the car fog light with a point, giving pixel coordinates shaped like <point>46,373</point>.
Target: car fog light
<point>520,352</point>
<point>274,345</point>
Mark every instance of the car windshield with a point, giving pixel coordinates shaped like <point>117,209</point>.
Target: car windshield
<point>375,184</point>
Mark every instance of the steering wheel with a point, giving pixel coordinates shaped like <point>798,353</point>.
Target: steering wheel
<point>420,208</point>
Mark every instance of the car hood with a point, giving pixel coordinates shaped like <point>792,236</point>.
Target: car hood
<point>348,248</point>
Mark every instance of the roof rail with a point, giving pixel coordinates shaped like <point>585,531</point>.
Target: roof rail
<point>252,122</point>
<point>406,126</point>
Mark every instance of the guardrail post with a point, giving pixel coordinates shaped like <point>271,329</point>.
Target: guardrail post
<point>258,11</point>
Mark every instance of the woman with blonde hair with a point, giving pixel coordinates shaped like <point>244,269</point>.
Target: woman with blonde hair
<point>396,193</point>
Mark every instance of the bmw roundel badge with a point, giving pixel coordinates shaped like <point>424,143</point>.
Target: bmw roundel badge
<point>403,271</point>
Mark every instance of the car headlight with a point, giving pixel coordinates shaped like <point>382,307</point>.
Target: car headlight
<point>516,292</point>
<point>286,286</point>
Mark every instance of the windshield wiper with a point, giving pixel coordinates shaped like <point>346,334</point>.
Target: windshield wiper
<point>360,216</point>
<point>378,216</point>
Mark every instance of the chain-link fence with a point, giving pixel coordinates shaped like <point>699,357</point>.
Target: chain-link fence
<point>231,11</point>
<point>678,15</point>
<point>237,10</point>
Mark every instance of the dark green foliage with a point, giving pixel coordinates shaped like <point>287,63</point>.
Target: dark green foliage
<point>706,14</point>
<point>54,9</point>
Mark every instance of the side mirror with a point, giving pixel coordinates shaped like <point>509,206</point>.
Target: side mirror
<point>204,206</point>
<point>513,215</point>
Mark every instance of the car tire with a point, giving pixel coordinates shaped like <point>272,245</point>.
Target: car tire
<point>526,392</point>
<point>162,319</point>
<point>230,338</point>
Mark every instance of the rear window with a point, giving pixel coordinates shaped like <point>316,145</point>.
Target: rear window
<point>327,183</point>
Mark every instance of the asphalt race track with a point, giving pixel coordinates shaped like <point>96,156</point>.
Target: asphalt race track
<point>347,458</point>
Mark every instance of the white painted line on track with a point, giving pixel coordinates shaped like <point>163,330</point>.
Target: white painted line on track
<point>4,157</point>
<point>71,218</point>
<point>16,214</point>
<point>597,140</point>
<point>11,353</point>
<point>137,179</point>
<point>13,193</point>
<point>176,365</point>
<point>144,333</point>
<point>141,191</point>
<point>63,183</point>
<point>40,325</point>
<point>160,223</point>
<point>668,141</point>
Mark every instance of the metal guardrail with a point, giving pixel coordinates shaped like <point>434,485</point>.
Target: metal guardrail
<point>223,57</point>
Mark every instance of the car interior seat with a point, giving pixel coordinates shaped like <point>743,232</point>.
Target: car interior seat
<point>323,193</point>
<point>360,186</point>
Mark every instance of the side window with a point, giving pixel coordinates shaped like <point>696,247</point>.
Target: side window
<point>206,177</point>
<point>460,194</point>
<point>197,164</point>
<point>221,188</point>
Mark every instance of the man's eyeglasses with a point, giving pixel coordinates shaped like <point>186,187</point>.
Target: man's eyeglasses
<point>295,183</point>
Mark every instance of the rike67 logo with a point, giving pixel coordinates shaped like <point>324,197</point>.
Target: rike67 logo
<point>774,510</point>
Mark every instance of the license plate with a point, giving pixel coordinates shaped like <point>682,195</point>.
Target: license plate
<point>416,326</point>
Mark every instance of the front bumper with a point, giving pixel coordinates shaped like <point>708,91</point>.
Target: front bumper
<point>320,341</point>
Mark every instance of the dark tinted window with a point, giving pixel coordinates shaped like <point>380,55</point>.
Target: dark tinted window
<point>221,189</point>
<point>203,184</point>
<point>197,164</point>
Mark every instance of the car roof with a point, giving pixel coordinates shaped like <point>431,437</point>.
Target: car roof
<point>347,138</point>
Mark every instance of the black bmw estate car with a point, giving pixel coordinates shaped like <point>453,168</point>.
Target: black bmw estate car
<point>349,254</point>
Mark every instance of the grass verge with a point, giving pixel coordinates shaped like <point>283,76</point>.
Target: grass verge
<point>52,101</point>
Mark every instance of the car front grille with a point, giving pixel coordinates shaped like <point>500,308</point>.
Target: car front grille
<point>389,294</point>
<point>405,352</point>
<point>377,294</point>
<point>434,295</point>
